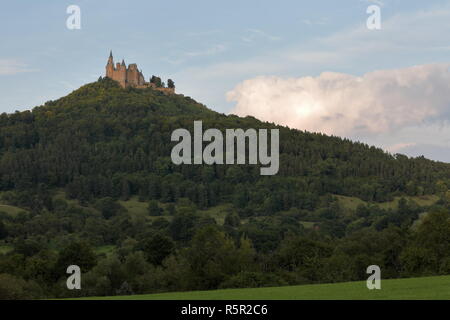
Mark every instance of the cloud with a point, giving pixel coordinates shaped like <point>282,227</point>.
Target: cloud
<point>341,104</point>
<point>12,66</point>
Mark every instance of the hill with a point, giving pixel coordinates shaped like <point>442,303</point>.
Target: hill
<point>88,180</point>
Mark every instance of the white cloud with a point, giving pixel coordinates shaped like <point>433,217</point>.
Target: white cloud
<point>12,66</point>
<point>341,104</point>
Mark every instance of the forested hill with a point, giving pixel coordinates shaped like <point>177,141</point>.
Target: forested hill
<point>87,180</point>
<point>102,140</point>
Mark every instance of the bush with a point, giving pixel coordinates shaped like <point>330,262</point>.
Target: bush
<point>13,288</point>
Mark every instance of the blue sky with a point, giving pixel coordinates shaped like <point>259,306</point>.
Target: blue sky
<point>210,47</point>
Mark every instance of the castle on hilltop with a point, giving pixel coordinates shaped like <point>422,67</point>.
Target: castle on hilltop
<point>133,77</point>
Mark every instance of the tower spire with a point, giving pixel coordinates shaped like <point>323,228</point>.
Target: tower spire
<point>110,59</point>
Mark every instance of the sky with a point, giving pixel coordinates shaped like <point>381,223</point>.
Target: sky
<point>310,65</point>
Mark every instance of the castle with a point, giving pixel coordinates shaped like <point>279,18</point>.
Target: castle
<point>133,77</point>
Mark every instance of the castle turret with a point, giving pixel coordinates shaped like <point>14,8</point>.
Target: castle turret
<point>110,66</point>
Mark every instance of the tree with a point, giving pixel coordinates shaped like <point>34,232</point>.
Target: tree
<point>28,247</point>
<point>13,288</point>
<point>77,253</point>
<point>170,84</point>
<point>157,248</point>
<point>154,209</point>
<point>431,246</point>
<point>108,207</point>
<point>156,80</point>
<point>182,226</point>
<point>232,220</point>
<point>3,231</point>
<point>171,209</point>
<point>212,257</point>
<point>303,255</point>
<point>125,195</point>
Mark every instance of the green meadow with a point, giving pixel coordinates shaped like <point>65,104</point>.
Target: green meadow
<point>428,288</point>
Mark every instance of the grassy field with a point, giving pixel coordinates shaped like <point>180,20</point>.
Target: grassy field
<point>10,210</point>
<point>352,203</point>
<point>218,212</point>
<point>5,249</point>
<point>435,288</point>
<point>107,250</point>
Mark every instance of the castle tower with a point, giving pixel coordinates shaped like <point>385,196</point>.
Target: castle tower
<point>110,66</point>
<point>121,75</point>
<point>133,75</point>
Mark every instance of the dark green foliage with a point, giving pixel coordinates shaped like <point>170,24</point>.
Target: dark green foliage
<point>154,209</point>
<point>77,253</point>
<point>3,231</point>
<point>157,81</point>
<point>156,248</point>
<point>108,207</point>
<point>13,288</point>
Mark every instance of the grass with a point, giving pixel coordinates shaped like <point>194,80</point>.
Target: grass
<point>135,206</point>
<point>5,249</point>
<point>352,203</point>
<point>307,224</point>
<point>218,213</point>
<point>140,209</point>
<point>430,288</point>
<point>11,210</point>
<point>107,250</point>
